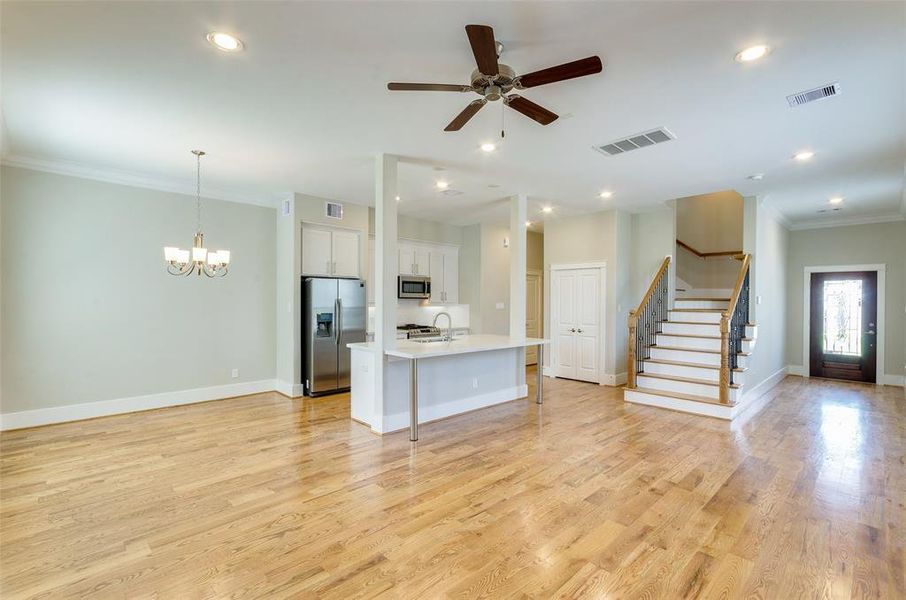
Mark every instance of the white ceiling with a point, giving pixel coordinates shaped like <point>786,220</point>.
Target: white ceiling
<point>133,86</point>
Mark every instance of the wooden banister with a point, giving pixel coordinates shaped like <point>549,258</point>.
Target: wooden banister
<point>725,322</point>
<point>733,253</point>
<point>631,354</point>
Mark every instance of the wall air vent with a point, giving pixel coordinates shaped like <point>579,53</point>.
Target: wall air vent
<point>633,142</point>
<point>334,210</point>
<point>451,193</point>
<point>819,93</point>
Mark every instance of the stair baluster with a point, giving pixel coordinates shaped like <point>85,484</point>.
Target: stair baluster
<point>733,323</point>
<point>645,323</point>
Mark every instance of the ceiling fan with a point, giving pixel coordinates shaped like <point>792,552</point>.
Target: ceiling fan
<point>493,80</point>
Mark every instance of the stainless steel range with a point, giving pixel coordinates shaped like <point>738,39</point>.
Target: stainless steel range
<point>414,332</point>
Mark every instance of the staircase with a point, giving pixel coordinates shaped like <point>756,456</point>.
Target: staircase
<point>691,357</point>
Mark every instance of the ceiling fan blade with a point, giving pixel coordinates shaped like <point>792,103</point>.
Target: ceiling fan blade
<point>531,110</point>
<point>427,87</point>
<point>481,37</point>
<point>467,113</point>
<point>570,70</point>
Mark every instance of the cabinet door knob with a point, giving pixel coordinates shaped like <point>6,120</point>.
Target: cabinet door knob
<point>580,331</point>
<point>572,331</point>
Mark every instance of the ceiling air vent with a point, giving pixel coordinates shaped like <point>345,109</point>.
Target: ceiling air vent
<point>451,193</point>
<point>819,93</point>
<point>633,142</point>
<point>334,210</point>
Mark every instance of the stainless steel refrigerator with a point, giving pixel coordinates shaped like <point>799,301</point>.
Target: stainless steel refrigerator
<point>334,313</point>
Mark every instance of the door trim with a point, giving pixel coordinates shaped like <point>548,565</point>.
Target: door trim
<point>602,331</point>
<point>881,269</point>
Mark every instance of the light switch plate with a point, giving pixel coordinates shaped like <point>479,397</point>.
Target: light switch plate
<point>235,373</point>
<point>500,306</point>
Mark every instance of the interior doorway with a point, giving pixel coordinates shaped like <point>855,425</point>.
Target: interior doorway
<point>843,325</point>
<point>577,321</point>
<point>534,315</point>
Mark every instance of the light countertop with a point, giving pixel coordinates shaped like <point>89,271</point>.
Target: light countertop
<point>461,345</point>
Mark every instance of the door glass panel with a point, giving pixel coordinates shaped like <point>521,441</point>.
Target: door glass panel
<point>843,317</point>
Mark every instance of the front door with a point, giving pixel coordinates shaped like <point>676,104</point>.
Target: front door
<point>843,328</point>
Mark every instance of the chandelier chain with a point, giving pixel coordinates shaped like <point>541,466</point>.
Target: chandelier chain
<point>198,191</point>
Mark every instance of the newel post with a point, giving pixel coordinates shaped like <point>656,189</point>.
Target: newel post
<point>724,359</point>
<point>630,354</point>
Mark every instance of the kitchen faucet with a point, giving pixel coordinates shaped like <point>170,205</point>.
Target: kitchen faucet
<point>449,324</point>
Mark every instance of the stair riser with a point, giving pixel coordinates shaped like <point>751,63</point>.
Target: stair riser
<point>689,329</point>
<point>696,408</point>
<point>695,317</point>
<point>711,293</point>
<point>692,372</point>
<point>688,342</point>
<point>694,357</point>
<point>684,387</point>
<point>681,304</point>
<point>701,329</point>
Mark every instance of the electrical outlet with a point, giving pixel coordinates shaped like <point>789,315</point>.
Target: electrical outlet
<point>475,383</point>
<point>235,373</point>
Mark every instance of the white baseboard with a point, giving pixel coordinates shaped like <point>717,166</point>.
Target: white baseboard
<point>118,406</point>
<point>798,370</point>
<point>614,380</point>
<point>548,372</point>
<point>292,390</point>
<point>887,379</point>
<point>399,421</point>
<point>755,399</point>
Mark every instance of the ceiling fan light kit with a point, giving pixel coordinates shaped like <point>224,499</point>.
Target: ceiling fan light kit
<point>493,80</point>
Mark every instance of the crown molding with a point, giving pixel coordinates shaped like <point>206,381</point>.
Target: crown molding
<point>73,169</point>
<point>843,222</point>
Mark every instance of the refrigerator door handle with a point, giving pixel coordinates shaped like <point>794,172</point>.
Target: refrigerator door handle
<point>338,310</point>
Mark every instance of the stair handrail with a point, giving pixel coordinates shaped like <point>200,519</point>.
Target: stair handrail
<point>733,323</point>
<point>653,308</point>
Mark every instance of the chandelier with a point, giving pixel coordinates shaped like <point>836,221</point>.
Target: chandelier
<point>184,262</point>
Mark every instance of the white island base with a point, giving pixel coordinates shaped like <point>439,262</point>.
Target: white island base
<point>452,378</point>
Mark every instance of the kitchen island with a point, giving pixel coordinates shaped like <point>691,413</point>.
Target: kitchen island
<point>429,380</point>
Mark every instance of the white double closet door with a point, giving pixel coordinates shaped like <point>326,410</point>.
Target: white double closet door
<point>577,327</point>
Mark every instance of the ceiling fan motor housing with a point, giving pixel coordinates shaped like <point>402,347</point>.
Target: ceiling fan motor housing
<point>493,88</point>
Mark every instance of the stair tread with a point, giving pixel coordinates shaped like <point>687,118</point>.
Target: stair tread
<point>683,348</point>
<point>683,363</point>
<point>702,298</point>
<point>680,396</point>
<point>685,379</point>
<point>714,310</point>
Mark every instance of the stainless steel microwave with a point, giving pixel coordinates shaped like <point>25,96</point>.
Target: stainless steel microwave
<point>413,286</point>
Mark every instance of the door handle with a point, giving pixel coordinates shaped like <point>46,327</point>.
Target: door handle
<point>869,333</point>
<point>338,307</point>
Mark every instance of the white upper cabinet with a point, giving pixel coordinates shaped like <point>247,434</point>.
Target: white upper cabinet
<point>345,254</point>
<point>330,252</point>
<point>451,277</point>
<point>316,248</point>
<point>414,260</point>
<point>369,282</point>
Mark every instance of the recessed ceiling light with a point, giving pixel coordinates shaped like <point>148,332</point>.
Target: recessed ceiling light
<point>756,176</point>
<point>547,209</point>
<point>488,147</point>
<point>752,53</point>
<point>442,185</point>
<point>225,41</point>
<point>528,223</point>
<point>804,155</point>
<point>397,198</point>
<point>606,194</point>
<point>836,200</point>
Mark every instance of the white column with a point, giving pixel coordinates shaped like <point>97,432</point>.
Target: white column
<point>518,215</point>
<point>386,270</point>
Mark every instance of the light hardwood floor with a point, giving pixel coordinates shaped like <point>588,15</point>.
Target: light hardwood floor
<point>585,497</point>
